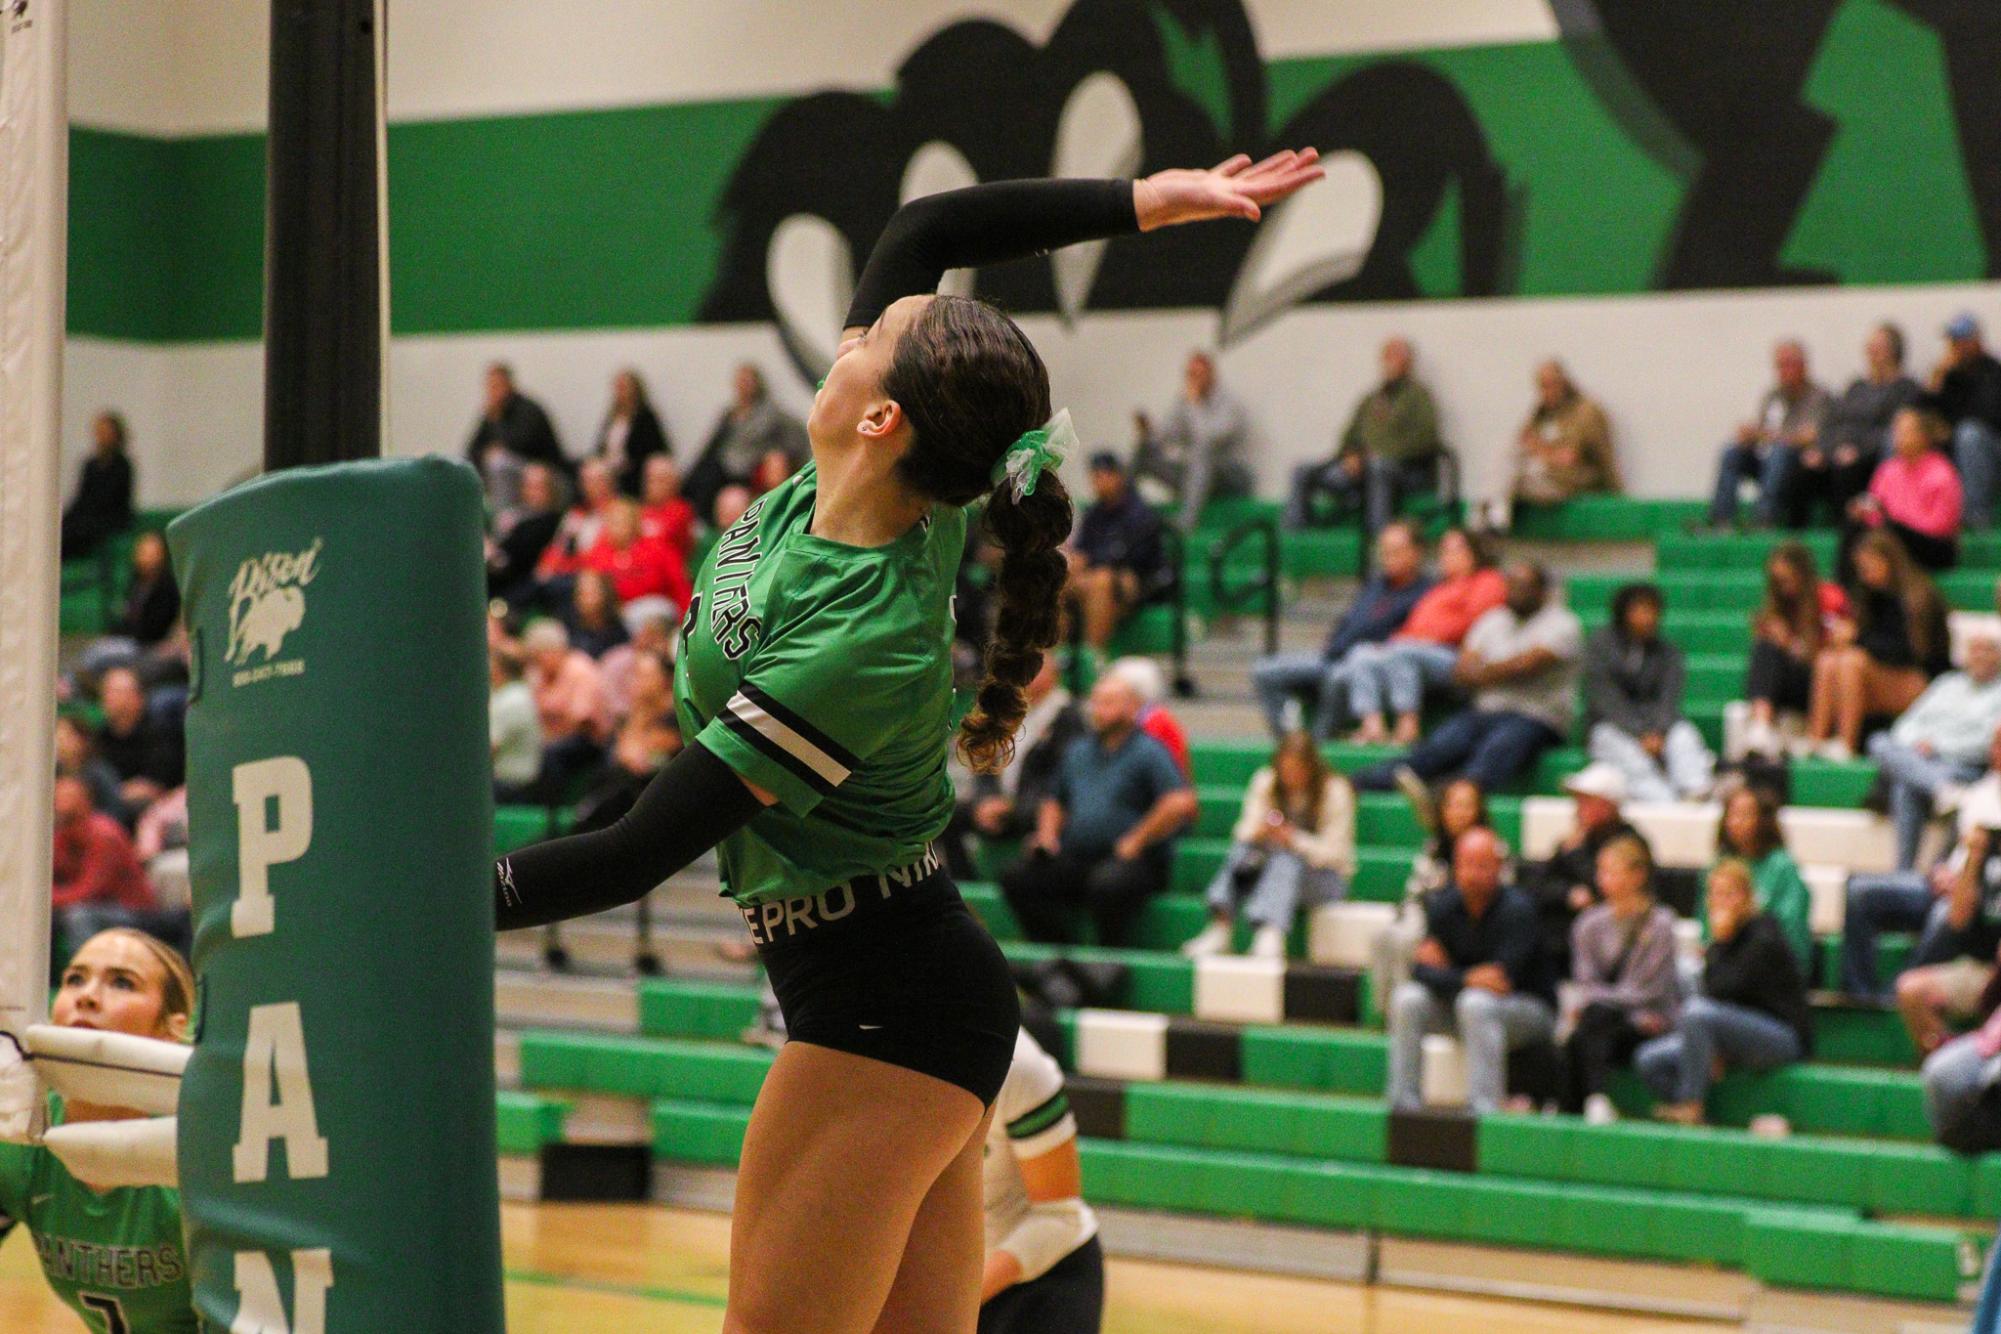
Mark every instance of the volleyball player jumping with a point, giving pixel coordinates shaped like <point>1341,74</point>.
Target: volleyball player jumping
<point>815,679</point>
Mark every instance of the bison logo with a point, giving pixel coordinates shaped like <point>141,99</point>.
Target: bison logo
<point>267,602</point>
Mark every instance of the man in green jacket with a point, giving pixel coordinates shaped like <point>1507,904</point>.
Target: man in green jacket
<point>1390,449</point>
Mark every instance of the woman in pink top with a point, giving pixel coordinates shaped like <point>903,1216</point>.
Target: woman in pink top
<point>1915,493</point>
<point>1422,652</point>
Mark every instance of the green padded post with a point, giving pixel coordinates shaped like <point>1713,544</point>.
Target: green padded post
<point>338,1115</point>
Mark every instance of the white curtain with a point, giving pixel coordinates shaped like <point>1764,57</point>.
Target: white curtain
<point>34,189</point>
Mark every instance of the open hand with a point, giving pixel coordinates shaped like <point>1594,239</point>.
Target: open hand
<point>1237,188</point>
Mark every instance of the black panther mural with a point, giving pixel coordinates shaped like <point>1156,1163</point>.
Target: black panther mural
<point>1729,77</point>
<point>1713,89</point>
<point>981,88</point>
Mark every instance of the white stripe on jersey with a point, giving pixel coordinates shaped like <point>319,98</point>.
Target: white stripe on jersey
<point>793,744</point>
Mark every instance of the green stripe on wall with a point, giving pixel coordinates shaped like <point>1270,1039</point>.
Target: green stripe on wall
<point>606,219</point>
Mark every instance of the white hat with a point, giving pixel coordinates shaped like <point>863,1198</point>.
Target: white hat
<point>1597,780</point>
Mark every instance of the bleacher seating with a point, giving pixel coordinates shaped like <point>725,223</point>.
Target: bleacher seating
<point>1250,1088</point>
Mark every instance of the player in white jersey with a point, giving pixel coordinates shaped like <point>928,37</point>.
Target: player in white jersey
<point>1045,1272</point>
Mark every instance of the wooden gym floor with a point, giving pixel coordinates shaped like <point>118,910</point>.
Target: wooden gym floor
<point>630,1267</point>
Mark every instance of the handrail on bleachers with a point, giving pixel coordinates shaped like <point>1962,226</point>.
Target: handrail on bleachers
<point>1227,598</point>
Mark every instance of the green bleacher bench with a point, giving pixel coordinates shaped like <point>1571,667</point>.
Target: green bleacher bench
<point>526,1121</point>
<point>1604,519</point>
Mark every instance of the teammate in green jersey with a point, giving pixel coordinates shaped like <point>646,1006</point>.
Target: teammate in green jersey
<point>815,681</point>
<point>116,1257</point>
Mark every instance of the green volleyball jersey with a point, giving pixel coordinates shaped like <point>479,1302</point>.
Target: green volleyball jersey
<point>114,1257</point>
<point>823,674</point>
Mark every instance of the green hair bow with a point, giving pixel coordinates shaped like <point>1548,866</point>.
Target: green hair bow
<point>1044,447</point>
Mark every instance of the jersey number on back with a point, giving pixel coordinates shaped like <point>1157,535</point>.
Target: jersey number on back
<point>108,1307</point>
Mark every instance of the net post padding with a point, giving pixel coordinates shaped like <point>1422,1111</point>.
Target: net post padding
<point>337,1116</point>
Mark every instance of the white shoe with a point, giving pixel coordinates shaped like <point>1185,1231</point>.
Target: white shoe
<point>1834,751</point>
<point>1599,1111</point>
<point>1212,940</point>
<point>1268,943</point>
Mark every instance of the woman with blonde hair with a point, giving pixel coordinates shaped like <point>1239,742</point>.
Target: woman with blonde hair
<point>121,981</point>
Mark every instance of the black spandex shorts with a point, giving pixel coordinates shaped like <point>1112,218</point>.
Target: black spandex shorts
<point>896,968</point>
<point>1069,1299</point>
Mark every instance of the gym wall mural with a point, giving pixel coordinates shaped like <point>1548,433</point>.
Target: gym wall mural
<point>1657,145</point>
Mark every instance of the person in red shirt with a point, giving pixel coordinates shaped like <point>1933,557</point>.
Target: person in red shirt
<point>581,524</point>
<point>98,880</point>
<point>1425,649</point>
<point>665,516</point>
<point>639,566</point>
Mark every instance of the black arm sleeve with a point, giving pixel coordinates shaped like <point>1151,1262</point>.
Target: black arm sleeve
<point>690,806</point>
<point>985,224</point>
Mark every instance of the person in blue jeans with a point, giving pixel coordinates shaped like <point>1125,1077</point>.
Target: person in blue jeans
<point>1967,387</point>
<point>1520,660</point>
<point>1480,973</point>
<point>1383,603</point>
<point>1944,741</point>
<point>1752,1011</point>
<point>1910,901</point>
<point>1766,450</point>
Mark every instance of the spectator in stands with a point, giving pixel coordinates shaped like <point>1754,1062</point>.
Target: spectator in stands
<point>1837,469</point>
<point>514,729</point>
<point>578,531</point>
<point>521,533</point>
<point>1197,452</point>
<point>1566,884</point>
<point>647,738</point>
<point>76,757</point>
<point>1008,804</point>
<point>1383,604</point>
<point>1104,838</point>
<point>1564,449</point>
<point>1878,659</point>
<point>1788,633</point>
<point>1623,988</point>
<point>1967,387</point>
<point>102,505</point>
<point>592,618</point>
<point>1767,449</point>
<point>643,570</point>
<point>1149,682</point>
<point>1960,1083</point>
<point>1389,451</point>
<point>1911,901</point>
<point>1749,832</point>
<point>1479,972</point>
<point>1424,652</point>
<point>570,701</point>
<point>1940,743</point>
<point>98,880</point>
<point>1293,847</point>
<point>732,502</point>
<point>512,431</point>
<point>1960,943</point>
<point>753,436</point>
<point>1752,1011</point>
<point>1115,558</point>
<point>1915,493</point>
<point>146,753</point>
<point>1520,662</point>
<point>152,598</point>
<point>1461,806</point>
<point>631,433</point>
<point>653,631</point>
<point>664,515</point>
<point>1633,685</point>
<point>149,616</point>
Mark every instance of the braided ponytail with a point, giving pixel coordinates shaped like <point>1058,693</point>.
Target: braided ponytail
<point>1027,620</point>
<point>971,384</point>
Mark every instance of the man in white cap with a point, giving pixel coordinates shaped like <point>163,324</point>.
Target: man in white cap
<point>1967,386</point>
<point>1567,883</point>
